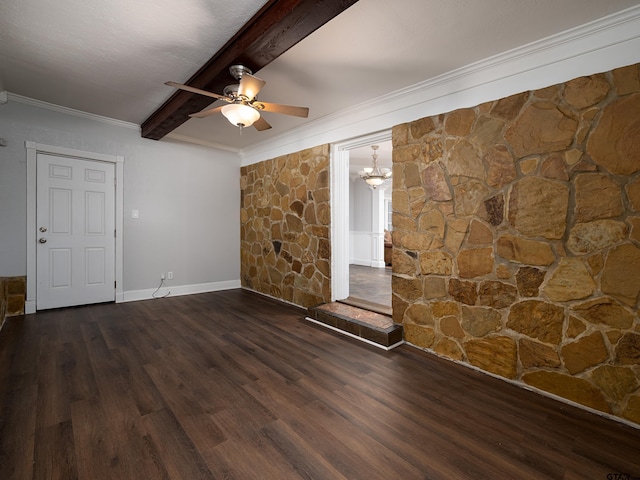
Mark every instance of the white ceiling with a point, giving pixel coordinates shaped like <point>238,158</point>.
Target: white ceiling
<point>111,58</point>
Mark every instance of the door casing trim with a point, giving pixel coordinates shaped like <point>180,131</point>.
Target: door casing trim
<point>33,149</point>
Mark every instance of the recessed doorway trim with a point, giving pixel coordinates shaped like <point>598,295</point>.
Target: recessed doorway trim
<point>339,168</point>
<point>33,149</point>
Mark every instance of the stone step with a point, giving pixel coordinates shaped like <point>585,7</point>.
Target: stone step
<point>370,327</point>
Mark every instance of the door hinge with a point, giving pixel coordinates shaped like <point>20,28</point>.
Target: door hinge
<point>115,284</point>
<point>115,233</point>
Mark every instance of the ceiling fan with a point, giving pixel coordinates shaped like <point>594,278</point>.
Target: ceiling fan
<point>243,108</point>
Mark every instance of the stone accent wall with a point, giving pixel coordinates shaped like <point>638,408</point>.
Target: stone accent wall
<point>12,296</point>
<point>285,217</point>
<point>516,242</point>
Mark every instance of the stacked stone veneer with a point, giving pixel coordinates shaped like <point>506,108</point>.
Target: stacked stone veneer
<point>285,217</point>
<point>12,296</point>
<point>517,238</point>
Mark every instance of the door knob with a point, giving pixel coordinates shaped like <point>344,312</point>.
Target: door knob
<point>43,240</point>
<point>43,229</point>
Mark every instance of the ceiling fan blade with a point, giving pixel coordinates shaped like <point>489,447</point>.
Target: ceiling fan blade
<point>285,109</point>
<point>197,90</point>
<point>261,124</point>
<point>206,113</point>
<point>250,86</point>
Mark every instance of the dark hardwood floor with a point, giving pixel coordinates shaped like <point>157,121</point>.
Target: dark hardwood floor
<point>234,385</point>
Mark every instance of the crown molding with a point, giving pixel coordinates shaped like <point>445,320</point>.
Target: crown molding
<point>71,111</point>
<point>602,45</point>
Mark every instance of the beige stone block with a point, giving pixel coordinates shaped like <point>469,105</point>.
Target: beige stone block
<point>419,335</point>
<point>621,274</point>
<point>464,160</point>
<point>410,289</point>
<point>575,327</point>
<point>597,196</point>
<point>487,131</point>
<point>615,382</point>
<point>586,91</point>
<point>573,156</point>
<point>628,349</point>
<point>432,222</point>
<point>419,313</point>
<point>475,262</point>
<point>422,127</point>
<point>521,250</point>
<point>480,321</point>
<point>435,183</point>
<point>554,167</point>
<point>541,128</point>
<point>509,107</point>
<point>492,210</point>
<point>537,319</point>
<point>615,141</point>
<point>503,272</point>
<point>570,281</point>
<point>417,241</point>
<point>469,195</point>
<point>450,327</point>
<point>529,280</point>
<point>537,355</point>
<point>398,307</point>
<point>632,410</point>
<point>552,92</point>
<point>605,311</point>
<point>456,231</point>
<point>528,165</point>
<point>404,263</point>
<point>572,388</point>
<point>538,207</point>
<point>400,201</point>
<point>496,294</point>
<point>479,234</point>
<point>434,287</point>
<point>459,122</point>
<point>634,222</point>
<point>627,80</point>
<point>443,309</point>
<point>400,135</point>
<point>633,193</point>
<point>406,153</point>
<point>435,263</point>
<point>449,348</point>
<point>584,353</point>
<point>496,355</point>
<point>591,237</point>
<point>461,291</point>
<point>500,164</point>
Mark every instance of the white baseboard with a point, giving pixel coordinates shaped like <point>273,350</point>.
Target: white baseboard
<point>177,290</point>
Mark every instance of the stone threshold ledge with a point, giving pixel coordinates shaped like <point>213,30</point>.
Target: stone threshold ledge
<point>370,327</point>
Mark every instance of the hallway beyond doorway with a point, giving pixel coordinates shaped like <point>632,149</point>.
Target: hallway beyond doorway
<point>372,285</point>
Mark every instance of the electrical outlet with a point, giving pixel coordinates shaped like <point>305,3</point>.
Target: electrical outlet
<point>162,276</point>
<point>170,275</point>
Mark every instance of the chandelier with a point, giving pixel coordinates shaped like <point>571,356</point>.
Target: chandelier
<point>373,175</point>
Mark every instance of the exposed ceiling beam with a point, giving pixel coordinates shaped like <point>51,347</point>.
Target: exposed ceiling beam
<point>278,26</point>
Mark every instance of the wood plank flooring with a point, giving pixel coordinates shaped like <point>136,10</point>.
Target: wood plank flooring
<point>233,385</point>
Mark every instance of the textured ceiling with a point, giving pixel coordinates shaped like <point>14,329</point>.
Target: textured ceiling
<point>111,58</point>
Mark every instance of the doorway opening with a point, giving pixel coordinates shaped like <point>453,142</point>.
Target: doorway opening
<point>361,221</point>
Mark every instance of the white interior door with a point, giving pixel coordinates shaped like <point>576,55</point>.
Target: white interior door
<point>75,217</point>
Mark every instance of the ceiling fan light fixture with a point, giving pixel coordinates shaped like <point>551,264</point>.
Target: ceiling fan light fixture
<point>240,115</point>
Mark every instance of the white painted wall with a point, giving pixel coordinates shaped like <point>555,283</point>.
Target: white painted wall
<point>188,198</point>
